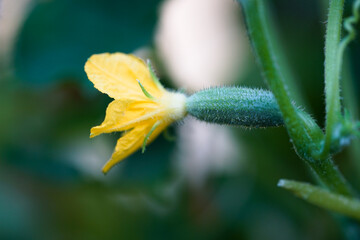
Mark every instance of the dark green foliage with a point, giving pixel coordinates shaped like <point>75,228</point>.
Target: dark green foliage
<point>59,35</point>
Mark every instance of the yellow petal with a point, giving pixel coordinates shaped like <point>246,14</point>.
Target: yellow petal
<point>122,115</point>
<point>117,74</point>
<point>126,145</point>
<point>131,142</point>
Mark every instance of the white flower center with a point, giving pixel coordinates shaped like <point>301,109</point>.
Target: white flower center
<point>175,104</point>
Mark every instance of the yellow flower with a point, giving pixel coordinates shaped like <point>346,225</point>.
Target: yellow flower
<point>142,108</point>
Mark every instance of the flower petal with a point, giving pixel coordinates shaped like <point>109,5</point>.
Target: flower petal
<point>131,142</point>
<point>123,115</point>
<point>116,75</point>
<point>126,145</point>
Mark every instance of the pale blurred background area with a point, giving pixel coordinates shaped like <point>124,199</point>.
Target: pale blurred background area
<point>211,182</point>
<point>12,14</point>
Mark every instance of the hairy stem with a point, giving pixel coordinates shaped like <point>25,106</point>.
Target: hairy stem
<point>260,37</point>
<point>332,72</point>
<point>305,145</point>
<point>323,198</point>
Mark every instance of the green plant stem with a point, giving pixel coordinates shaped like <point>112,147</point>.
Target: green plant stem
<point>351,103</point>
<point>350,99</point>
<point>305,145</point>
<point>261,41</point>
<point>323,198</point>
<point>332,72</point>
<point>330,176</point>
<point>282,58</point>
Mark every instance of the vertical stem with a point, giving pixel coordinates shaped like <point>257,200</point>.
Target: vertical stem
<point>330,176</point>
<point>332,71</point>
<point>258,30</point>
<point>351,103</point>
<point>282,59</point>
<point>263,48</point>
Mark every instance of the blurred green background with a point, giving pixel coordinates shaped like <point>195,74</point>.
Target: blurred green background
<point>51,185</point>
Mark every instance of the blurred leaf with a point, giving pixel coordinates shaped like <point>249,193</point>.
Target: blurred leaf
<point>59,35</point>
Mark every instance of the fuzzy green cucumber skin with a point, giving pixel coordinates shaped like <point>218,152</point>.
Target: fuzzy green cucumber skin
<point>235,106</point>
